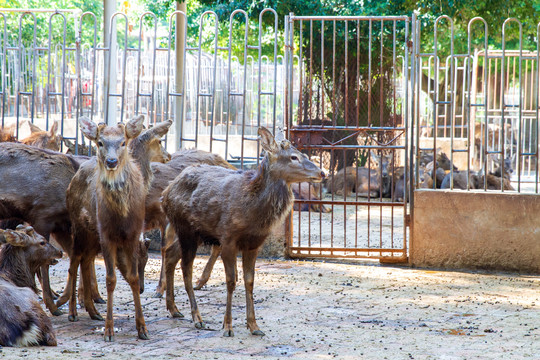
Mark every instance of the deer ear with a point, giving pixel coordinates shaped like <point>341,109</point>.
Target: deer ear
<point>160,129</point>
<point>53,129</point>
<point>88,128</point>
<point>134,126</point>
<point>267,140</point>
<point>14,238</point>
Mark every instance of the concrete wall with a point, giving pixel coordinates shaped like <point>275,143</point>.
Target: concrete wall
<point>476,230</point>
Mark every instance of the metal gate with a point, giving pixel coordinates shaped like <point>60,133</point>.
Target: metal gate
<point>347,107</point>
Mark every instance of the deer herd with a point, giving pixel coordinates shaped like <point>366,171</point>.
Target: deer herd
<point>102,204</point>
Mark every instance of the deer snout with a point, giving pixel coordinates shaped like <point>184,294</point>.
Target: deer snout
<point>111,163</point>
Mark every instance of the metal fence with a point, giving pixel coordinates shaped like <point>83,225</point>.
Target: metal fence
<point>479,107</point>
<point>218,99</point>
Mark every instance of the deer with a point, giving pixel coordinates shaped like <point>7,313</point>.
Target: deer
<point>363,181</point>
<point>233,208</point>
<point>307,191</point>
<point>44,139</point>
<point>22,320</point>
<point>33,185</point>
<point>105,200</point>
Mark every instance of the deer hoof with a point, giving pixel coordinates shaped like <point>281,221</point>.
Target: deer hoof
<point>57,312</point>
<point>73,318</point>
<point>143,335</point>
<point>228,333</point>
<point>200,325</point>
<point>258,333</point>
<point>157,295</point>
<point>177,314</point>
<point>96,317</point>
<point>99,301</point>
<point>108,338</point>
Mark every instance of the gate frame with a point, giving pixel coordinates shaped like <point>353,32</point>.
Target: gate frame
<point>409,75</point>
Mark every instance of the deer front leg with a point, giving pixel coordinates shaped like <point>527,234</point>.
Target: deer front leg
<point>71,287</point>
<point>228,256</point>
<point>133,280</point>
<point>47,292</point>
<point>216,250</point>
<point>248,263</point>
<point>109,255</point>
<point>172,256</point>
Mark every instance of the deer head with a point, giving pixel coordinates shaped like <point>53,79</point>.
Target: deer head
<point>112,141</point>
<point>286,162</point>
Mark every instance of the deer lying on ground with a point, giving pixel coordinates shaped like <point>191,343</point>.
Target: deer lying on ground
<point>236,209</point>
<point>495,180</point>
<point>22,320</point>
<point>163,175</point>
<point>105,200</point>
<point>307,191</point>
<point>365,182</point>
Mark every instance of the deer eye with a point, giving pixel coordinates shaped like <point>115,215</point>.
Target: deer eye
<point>294,157</point>
<point>42,243</point>
<point>123,144</point>
<point>100,144</point>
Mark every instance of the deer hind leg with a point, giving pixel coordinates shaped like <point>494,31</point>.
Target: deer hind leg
<point>96,297</point>
<point>216,250</point>
<point>167,237</point>
<point>248,263</point>
<point>172,256</point>
<point>109,255</point>
<point>228,256</point>
<point>87,270</point>
<point>133,280</point>
<point>189,249</point>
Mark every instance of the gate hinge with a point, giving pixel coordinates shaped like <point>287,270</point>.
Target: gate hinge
<point>408,220</point>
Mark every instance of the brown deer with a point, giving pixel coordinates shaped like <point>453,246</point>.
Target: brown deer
<point>365,182</point>
<point>44,139</point>
<point>105,200</point>
<point>33,185</point>
<point>22,320</point>
<point>236,209</point>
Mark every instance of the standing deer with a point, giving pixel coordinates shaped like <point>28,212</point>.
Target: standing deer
<point>105,200</point>
<point>22,320</point>
<point>236,209</point>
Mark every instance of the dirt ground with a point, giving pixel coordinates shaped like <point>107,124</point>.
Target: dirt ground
<point>318,310</point>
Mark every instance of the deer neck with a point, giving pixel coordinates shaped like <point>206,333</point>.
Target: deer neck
<point>14,268</point>
<point>142,158</point>
<point>270,193</point>
<point>114,188</point>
